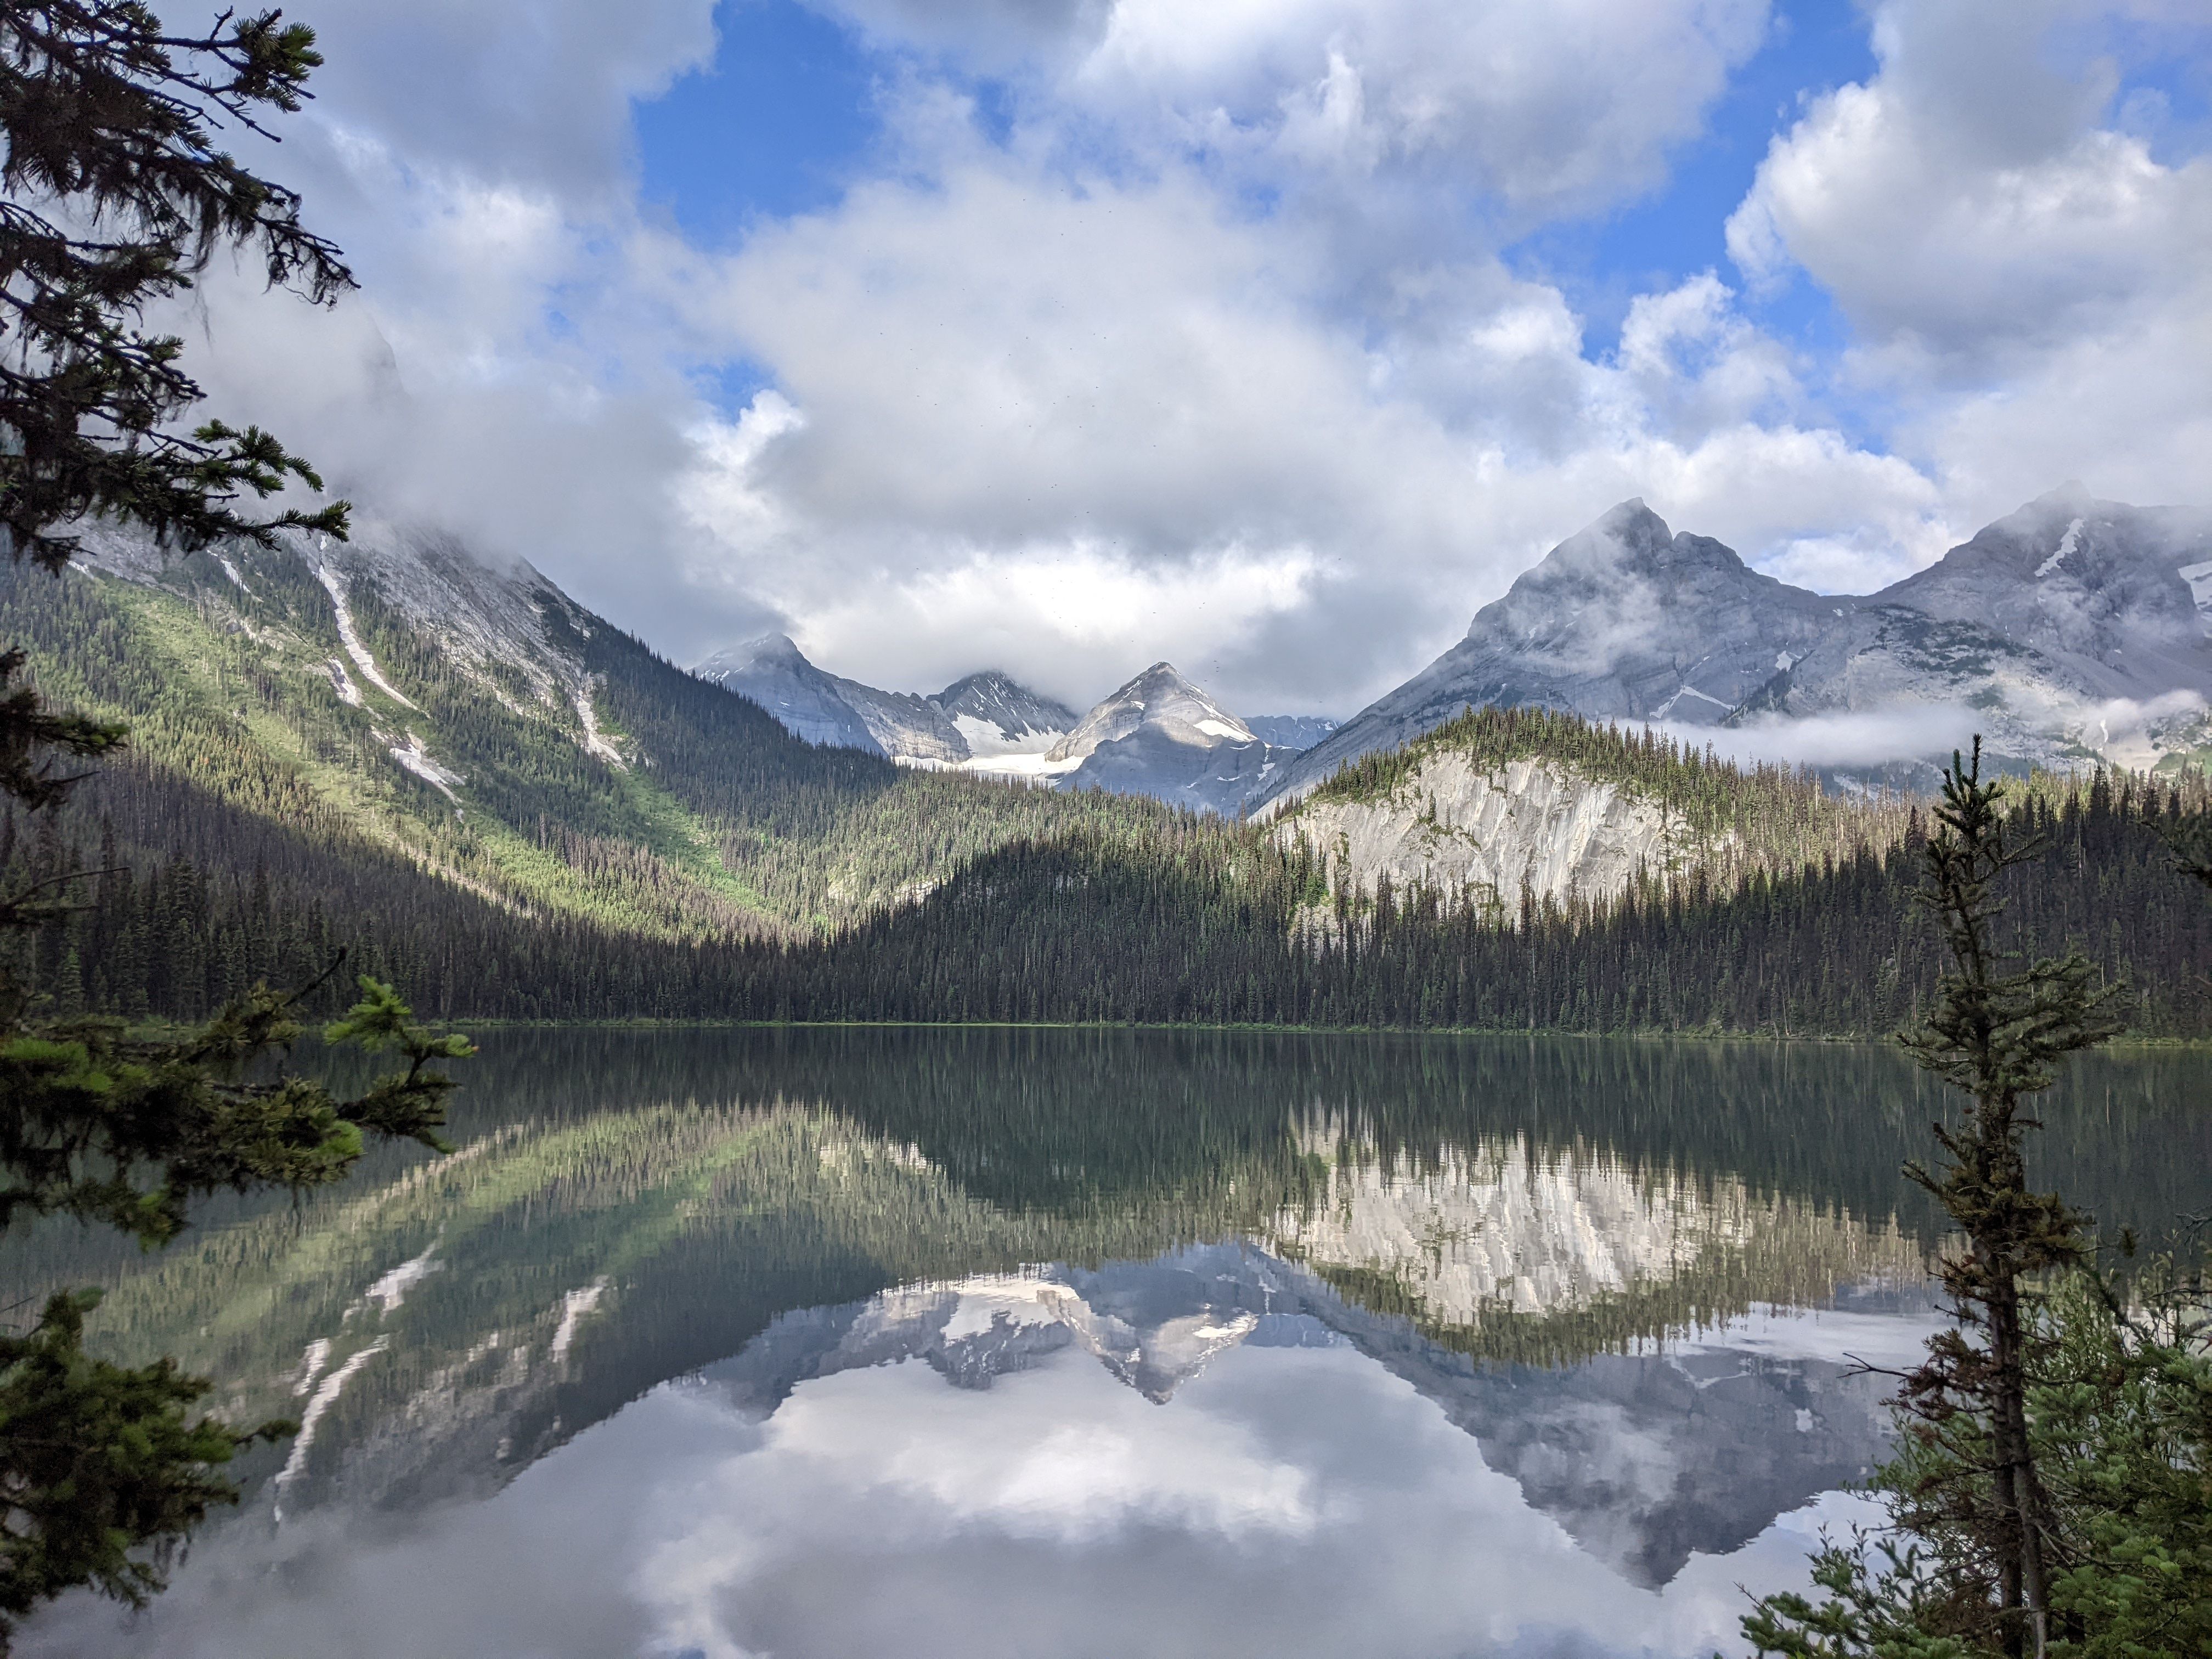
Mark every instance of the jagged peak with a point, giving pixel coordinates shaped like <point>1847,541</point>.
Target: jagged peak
<point>769,648</point>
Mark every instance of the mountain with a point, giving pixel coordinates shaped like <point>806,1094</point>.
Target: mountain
<point>986,717</point>
<point>1160,735</point>
<point>997,715</point>
<point>415,742</point>
<point>2071,627</point>
<point>2076,629</point>
<point>732,1212</point>
<point>1292,730</point>
<point>831,710</point>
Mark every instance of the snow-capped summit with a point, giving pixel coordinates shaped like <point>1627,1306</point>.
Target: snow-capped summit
<point>1160,735</point>
<point>2076,629</point>
<point>1163,699</point>
<point>2071,629</point>
<point>999,715</point>
<point>1157,735</point>
<point>1624,620</point>
<point>984,718</point>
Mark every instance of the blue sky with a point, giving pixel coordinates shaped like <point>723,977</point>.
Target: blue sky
<point>788,113</point>
<point>1270,337</point>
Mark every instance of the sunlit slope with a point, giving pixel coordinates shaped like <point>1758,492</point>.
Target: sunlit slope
<point>394,698</point>
<point>1503,806</point>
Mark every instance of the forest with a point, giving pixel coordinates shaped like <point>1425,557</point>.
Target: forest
<point>1150,918</point>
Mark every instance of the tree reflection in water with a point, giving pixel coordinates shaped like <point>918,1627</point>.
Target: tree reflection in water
<point>1569,1249</point>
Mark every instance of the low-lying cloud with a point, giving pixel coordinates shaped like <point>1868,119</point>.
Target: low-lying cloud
<point>1871,737</point>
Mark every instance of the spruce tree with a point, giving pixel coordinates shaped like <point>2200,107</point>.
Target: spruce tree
<point>112,195</point>
<point>1994,1036</point>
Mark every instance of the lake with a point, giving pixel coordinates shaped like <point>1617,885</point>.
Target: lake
<point>1068,1343</point>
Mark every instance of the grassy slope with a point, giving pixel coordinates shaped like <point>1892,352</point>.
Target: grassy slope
<point>721,824</point>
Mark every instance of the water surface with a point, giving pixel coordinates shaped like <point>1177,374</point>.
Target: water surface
<point>980,1343</point>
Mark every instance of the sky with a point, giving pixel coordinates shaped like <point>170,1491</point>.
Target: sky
<point>1271,337</point>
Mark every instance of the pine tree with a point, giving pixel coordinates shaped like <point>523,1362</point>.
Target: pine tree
<point>112,195</point>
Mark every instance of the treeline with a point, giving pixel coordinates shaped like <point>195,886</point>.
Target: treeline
<point>1184,920</point>
<point>1074,930</point>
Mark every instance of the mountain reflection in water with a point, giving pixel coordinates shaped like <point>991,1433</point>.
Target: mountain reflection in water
<point>855,1341</point>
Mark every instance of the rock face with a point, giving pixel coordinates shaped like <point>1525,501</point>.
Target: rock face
<point>1533,826</point>
<point>1625,621</point>
<point>1157,735</point>
<point>983,718</point>
<point>1160,735</point>
<point>502,626</point>
<point>2072,628</point>
<point>1503,1227</point>
<point>1291,731</point>
<point>827,709</point>
<point>997,715</point>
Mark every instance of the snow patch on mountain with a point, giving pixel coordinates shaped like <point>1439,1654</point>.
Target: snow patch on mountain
<point>1291,731</point>
<point>1159,735</point>
<point>974,723</point>
<point>416,759</point>
<point>996,716</point>
<point>350,637</point>
<point>2037,624</point>
<point>2072,539</point>
<point>495,622</point>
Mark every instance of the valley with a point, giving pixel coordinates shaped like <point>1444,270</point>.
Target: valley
<point>472,784</point>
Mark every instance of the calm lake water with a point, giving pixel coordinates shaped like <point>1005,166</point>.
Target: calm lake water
<point>1072,1343</point>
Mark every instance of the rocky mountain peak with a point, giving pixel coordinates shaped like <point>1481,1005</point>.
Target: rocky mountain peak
<point>2074,626</point>
<point>769,650</point>
<point>1627,619</point>
<point>1159,699</point>
<point>999,715</point>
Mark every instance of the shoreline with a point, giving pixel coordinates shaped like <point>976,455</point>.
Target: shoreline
<point>1822,1039</point>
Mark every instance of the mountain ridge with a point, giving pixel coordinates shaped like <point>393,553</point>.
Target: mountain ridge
<point>2066,631</point>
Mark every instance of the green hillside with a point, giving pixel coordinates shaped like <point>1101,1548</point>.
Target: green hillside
<point>523,813</point>
<point>679,812</point>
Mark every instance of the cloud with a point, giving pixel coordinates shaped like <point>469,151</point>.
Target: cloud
<point>2023,276</point>
<point>1011,405</point>
<point>530,93</point>
<point>1209,350</point>
<point>1919,730</point>
<point>1289,1501</point>
<point>1532,108</point>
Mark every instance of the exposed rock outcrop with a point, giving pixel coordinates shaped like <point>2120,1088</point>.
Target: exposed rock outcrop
<point>1531,824</point>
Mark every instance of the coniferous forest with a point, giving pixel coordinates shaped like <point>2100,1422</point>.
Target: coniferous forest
<point>1185,919</point>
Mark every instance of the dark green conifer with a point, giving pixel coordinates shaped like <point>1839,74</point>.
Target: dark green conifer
<point>1994,1036</point>
<point>112,195</point>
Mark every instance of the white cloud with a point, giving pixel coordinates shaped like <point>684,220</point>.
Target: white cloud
<point>2025,279</point>
<point>1873,738</point>
<point>1542,106</point>
<point>1288,1501</point>
<point>534,94</point>
<point>1213,357</point>
<point>1072,424</point>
